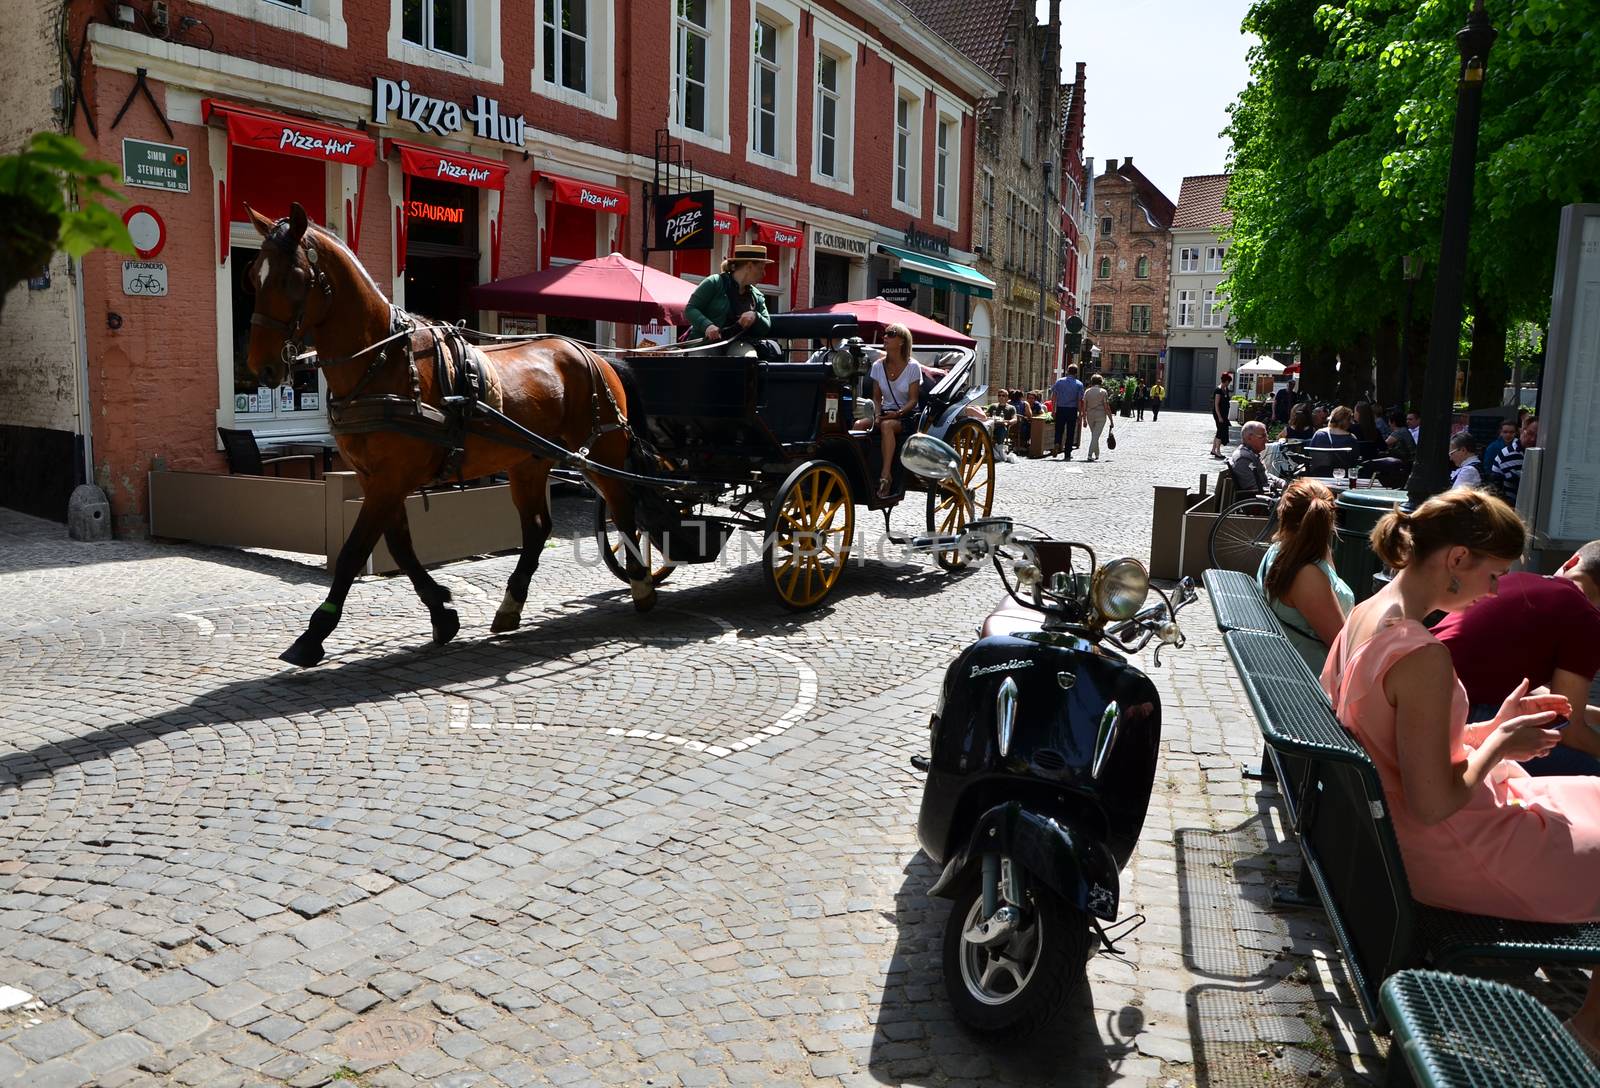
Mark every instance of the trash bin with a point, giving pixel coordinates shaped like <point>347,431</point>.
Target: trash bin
<point>1359,510</point>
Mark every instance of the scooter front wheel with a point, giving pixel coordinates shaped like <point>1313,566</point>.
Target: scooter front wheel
<point>1016,985</point>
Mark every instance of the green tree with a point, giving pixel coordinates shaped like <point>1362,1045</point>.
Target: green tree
<point>47,202</point>
<point>1341,147</point>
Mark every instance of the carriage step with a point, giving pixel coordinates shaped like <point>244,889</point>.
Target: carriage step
<point>928,543</point>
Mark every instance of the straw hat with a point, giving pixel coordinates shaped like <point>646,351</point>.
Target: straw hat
<point>747,252</point>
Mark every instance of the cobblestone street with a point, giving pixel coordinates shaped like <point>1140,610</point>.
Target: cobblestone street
<point>676,849</point>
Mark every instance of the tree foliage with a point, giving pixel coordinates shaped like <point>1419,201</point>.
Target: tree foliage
<point>1341,149</point>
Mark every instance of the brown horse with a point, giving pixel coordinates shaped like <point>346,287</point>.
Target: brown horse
<point>307,282</point>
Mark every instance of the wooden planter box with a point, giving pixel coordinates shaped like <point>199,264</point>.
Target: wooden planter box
<point>315,516</point>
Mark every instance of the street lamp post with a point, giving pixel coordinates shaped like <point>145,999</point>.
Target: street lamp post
<point>1411,272</point>
<point>1428,474</point>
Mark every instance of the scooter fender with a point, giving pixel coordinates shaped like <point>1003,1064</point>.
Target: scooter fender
<point>1072,863</point>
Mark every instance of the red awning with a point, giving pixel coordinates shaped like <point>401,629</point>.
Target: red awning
<point>725,223</point>
<point>291,135</point>
<point>262,130</point>
<point>435,164</point>
<point>775,234</point>
<point>586,194</point>
<point>873,315</point>
<point>422,161</point>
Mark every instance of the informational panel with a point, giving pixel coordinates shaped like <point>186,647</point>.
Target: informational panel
<point>1569,402</point>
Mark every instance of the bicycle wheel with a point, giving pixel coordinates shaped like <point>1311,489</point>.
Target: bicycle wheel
<point>1242,534</point>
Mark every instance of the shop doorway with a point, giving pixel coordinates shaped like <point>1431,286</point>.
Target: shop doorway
<point>441,250</point>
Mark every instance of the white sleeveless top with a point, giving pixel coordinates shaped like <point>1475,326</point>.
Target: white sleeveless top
<point>898,392</point>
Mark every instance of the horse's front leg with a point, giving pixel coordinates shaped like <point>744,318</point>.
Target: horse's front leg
<point>435,596</point>
<point>529,493</point>
<point>377,512</point>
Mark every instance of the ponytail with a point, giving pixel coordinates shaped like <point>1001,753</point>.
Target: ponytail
<point>1463,518</point>
<point>1306,518</point>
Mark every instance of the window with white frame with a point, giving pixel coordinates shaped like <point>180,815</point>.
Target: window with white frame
<point>1139,318</point>
<point>692,50</point>
<point>1099,318</point>
<point>319,19</point>
<point>1141,268</point>
<point>905,111</point>
<point>439,25</point>
<point>1210,310</point>
<point>1214,257</point>
<point>828,67</point>
<point>565,30</point>
<point>941,169</point>
<point>1105,268</point>
<point>765,77</point>
<point>1105,226</point>
<point>1189,259</point>
<point>1185,310</point>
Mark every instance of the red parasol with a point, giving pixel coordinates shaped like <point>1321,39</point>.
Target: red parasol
<point>609,288</point>
<point>875,314</point>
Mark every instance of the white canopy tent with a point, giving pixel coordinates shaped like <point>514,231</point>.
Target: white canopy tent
<point>1264,364</point>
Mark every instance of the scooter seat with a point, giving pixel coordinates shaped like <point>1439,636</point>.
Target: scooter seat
<point>1009,618</point>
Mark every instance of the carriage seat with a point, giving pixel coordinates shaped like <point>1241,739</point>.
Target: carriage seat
<point>1010,618</point>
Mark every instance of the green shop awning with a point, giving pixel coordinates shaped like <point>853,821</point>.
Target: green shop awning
<point>934,272</point>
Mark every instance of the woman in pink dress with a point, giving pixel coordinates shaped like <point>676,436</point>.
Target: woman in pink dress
<point>1477,832</point>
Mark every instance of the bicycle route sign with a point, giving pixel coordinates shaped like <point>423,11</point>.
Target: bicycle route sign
<point>144,279</point>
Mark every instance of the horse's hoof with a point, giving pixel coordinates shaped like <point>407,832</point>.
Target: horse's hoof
<point>505,621</point>
<point>302,653</point>
<point>644,602</point>
<point>444,595</point>
<point>445,625</point>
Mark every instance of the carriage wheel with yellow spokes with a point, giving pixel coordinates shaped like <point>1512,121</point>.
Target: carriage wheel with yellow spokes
<point>810,525</point>
<point>946,512</point>
<point>612,542</point>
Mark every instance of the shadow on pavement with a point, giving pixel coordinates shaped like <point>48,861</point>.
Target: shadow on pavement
<point>1250,1022</point>
<point>918,1038</point>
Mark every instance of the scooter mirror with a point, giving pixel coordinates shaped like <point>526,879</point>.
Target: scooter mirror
<point>931,458</point>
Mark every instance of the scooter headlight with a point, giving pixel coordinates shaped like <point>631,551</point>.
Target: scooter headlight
<point>1120,589</point>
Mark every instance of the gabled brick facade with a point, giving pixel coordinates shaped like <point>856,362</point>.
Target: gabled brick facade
<point>1131,269</point>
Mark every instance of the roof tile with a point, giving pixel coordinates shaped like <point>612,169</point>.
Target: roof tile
<point>1200,204</point>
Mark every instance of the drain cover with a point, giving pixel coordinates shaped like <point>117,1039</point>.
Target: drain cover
<point>385,1038</point>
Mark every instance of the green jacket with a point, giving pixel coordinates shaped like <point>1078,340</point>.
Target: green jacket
<point>709,305</point>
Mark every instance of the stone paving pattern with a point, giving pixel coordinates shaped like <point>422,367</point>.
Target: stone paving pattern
<point>604,849</point>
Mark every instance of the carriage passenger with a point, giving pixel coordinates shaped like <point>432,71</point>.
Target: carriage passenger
<point>896,385</point>
<point>729,305</point>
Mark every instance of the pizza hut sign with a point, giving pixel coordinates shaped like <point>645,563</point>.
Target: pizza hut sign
<point>471,175</point>
<point>294,139</point>
<point>442,118</point>
<point>603,201</point>
<point>683,221</point>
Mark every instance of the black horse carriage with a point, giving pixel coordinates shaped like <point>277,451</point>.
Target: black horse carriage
<point>767,446</point>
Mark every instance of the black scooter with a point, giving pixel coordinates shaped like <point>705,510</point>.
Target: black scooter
<point>1044,747</point>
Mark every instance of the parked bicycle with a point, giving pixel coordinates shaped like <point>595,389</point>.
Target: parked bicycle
<point>1243,531</point>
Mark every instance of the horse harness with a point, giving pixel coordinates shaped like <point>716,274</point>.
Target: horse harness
<point>461,376</point>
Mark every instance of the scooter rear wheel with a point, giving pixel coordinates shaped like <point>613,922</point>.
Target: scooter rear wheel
<point>1013,989</point>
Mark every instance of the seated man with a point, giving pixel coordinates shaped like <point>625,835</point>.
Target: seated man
<point>1250,475</point>
<point>1545,629</point>
<point>1466,469</point>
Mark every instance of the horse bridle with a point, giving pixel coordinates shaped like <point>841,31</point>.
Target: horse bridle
<point>294,348</point>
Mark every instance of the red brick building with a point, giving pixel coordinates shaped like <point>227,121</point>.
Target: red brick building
<point>454,142</point>
<point>1131,269</point>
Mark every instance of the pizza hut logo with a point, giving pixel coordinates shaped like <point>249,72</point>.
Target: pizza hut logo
<point>598,200</point>
<point>456,172</point>
<point>686,219</point>
<point>785,238</point>
<point>300,141</point>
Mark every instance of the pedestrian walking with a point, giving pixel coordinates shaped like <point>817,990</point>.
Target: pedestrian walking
<point>1068,395</point>
<point>1096,410</point>
<point>1158,393</point>
<point>1220,397</point>
<point>1141,398</point>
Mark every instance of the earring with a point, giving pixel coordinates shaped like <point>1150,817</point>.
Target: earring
<point>1455,585</point>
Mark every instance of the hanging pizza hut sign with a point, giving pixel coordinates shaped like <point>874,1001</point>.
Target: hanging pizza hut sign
<point>146,228</point>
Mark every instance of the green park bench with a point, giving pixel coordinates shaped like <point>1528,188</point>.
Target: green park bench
<point>1335,806</point>
<point>1455,1032</point>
